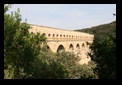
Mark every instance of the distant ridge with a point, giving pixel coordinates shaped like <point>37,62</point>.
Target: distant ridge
<point>94,29</point>
<point>100,30</point>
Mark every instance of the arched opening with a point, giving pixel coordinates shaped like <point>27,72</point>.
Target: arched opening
<point>48,35</point>
<point>48,47</point>
<point>60,49</point>
<point>60,35</point>
<point>44,34</point>
<point>57,35</point>
<point>77,48</point>
<point>71,48</point>
<point>83,45</point>
<point>53,35</point>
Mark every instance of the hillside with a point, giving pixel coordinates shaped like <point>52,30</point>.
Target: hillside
<point>100,29</point>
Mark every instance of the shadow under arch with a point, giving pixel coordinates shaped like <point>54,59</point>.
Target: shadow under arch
<point>71,48</point>
<point>78,46</point>
<point>48,47</point>
<point>60,49</point>
<point>83,45</point>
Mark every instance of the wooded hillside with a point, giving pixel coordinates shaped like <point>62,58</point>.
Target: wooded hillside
<point>100,30</point>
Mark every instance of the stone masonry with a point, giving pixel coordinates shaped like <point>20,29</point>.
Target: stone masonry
<point>68,40</point>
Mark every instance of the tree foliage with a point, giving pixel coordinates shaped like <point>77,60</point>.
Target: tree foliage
<point>103,49</point>
<point>20,47</point>
<point>104,53</point>
<point>100,31</point>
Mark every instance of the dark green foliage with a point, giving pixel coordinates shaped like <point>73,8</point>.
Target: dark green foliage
<point>104,49</point>
<point>60,66</point>
<point>101,30</point>
<point>20,47</point>
<point>104,53</point>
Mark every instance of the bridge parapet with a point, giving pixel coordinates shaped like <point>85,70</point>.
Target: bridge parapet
<point>69,39</point>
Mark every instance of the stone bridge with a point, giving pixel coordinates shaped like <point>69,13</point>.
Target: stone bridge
<point>66,40</point>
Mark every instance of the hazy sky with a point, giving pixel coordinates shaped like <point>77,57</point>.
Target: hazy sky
<point>67,16</point>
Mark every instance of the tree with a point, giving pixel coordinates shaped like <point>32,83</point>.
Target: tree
<point>20,47</point>
<point>104,54</point>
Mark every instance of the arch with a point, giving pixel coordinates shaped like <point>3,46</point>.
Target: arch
<point>78,46</point>
<point>57,35</point>
<point>83,45</point>
<point>53,35</point>
<point>49,35</point>
<point>60,35</point>
<point>44,34</point>
<point>60,49</point>
<point>48,47</point>
<point>71,48</point>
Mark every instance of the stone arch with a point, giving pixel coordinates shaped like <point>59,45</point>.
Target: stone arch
<point>44,34</point>
<point>63,35</point>
<point>77,46</point>
<point>83,45</point>
<point>60,49</point>
<point>49,35</point>
<point>57,35</point>
<point>53,35</point>
<point>77,49</point>
<point>48,47</point>
<point>71,48</point>
<point>60,35</point>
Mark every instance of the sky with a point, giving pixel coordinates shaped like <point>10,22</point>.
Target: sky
<point>67,16</point>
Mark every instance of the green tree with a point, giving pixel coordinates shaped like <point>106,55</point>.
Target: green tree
<point>104,49</point>
<point>20,47</point>
<point>104,54</point>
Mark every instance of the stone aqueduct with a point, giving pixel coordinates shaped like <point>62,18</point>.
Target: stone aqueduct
<point>68,40</point>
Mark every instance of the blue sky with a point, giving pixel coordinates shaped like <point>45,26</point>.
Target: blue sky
<point>67,16</point>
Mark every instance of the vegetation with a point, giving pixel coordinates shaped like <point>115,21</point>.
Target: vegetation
<point>100,31</point>
<point>104,49</point>
<point>24,58</point>
<point>20,47</point>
